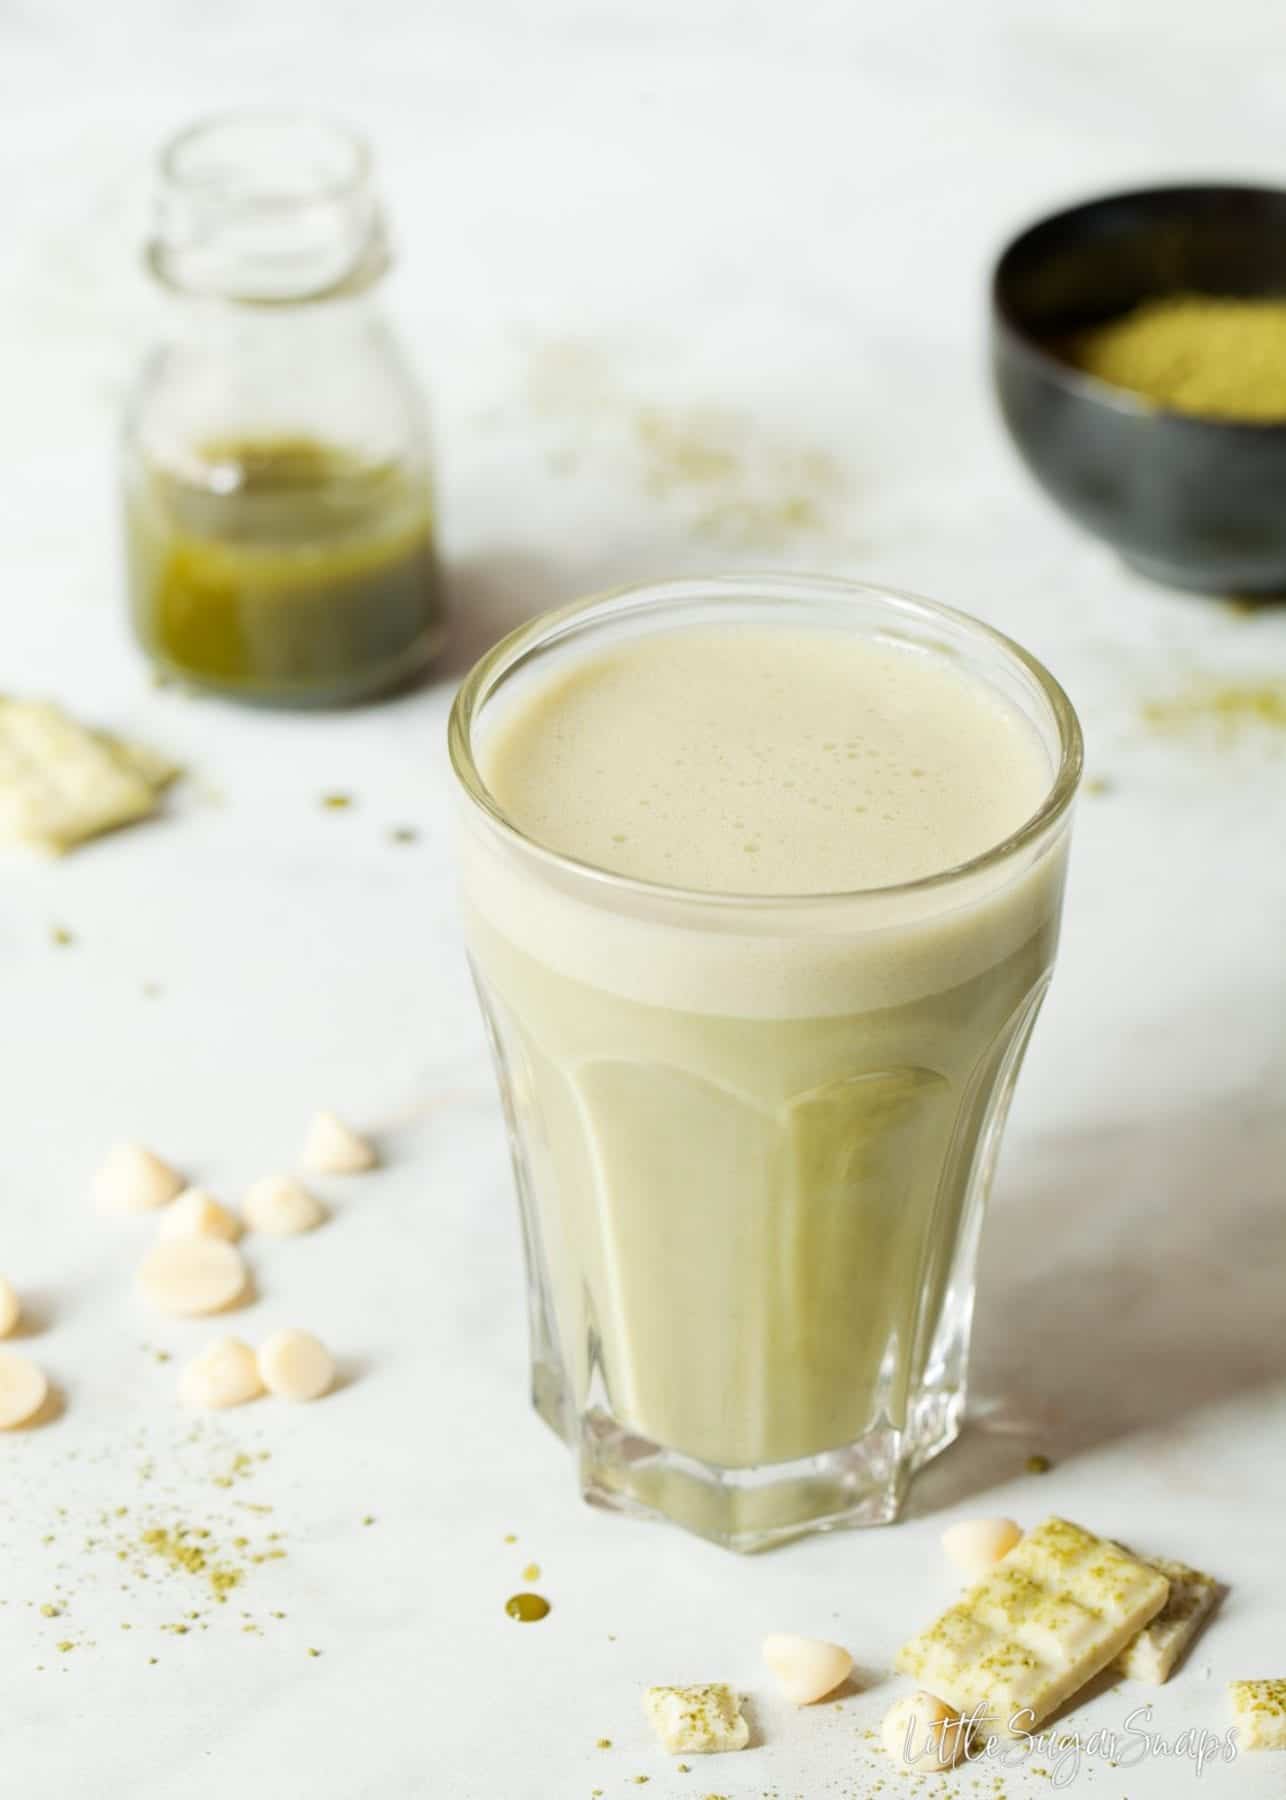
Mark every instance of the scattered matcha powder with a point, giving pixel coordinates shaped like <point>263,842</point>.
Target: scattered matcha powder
<point>746,490</point>
<point>1038,1465</point>
<point>1228,710</point>
<point>403,834</point>
<point>175,1548</point>
<point>61,937</point>
<point>337,802</point>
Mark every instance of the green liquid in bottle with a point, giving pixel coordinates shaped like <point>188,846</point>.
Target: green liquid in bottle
<point>285,570</point>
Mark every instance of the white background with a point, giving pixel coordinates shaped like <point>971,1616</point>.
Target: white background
<point>773,223</point>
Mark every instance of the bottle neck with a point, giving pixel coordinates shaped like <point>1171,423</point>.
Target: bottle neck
<point>270,212</point>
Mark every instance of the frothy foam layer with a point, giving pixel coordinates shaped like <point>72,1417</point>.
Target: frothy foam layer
<point>761,761</point>
<point>664,757</point>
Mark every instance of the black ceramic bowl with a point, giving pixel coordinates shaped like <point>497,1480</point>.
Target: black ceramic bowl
<point>1199,503</point>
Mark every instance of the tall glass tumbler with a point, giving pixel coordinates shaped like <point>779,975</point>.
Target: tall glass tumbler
<point>753,1136</point>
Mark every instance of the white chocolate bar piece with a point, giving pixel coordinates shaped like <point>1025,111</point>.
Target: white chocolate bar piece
<point>1152,1655</point>
<point>1030,1634</point>
<point>697,1721</point>
<point>60,782</point>
<point>1259,1708</point>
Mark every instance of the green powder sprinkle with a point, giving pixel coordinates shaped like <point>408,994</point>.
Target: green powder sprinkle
<point>1225,710</point>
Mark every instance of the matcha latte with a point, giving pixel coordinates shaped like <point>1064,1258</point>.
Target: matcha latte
<point>761,884</point>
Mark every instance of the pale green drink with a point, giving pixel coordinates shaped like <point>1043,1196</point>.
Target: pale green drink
<point>756,1049</point>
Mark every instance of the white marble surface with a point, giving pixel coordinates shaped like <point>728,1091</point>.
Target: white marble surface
<point>770,223</point>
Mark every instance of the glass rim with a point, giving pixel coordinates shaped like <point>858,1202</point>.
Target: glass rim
<point>513,650</point>
<point>354,143</point>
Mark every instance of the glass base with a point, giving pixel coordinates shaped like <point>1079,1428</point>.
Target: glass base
<point>863,1483</point>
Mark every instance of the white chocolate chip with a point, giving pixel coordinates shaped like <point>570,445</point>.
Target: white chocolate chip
<point>921,1732</point>
<point>976,1545</point>
<point>281,1207</point>
<point>331,1148</point>
<point>226,1373</point>
<point>295,1365</point>
<point>10,1309</point>
<point>23,1390</point>
<point>198,1214</point>
<point>131,1179</point>
<point>701,1721</point>
<point>806,1668</point>
<point>188,1275</point>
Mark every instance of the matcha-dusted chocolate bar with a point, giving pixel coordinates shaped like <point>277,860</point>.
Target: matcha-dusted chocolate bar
<point>1058,1608</point>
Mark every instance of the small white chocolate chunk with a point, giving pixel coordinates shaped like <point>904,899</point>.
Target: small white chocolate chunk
<point>976,1545</point>
<point>1153,1654</point>
<point>133,1180</point>
<point>198,1214</point>
<point>294,1365</point>
<point>696,1721</point>
<point>806,1668</point>
<point>331,1148</point>
<point>10,1309</point>
<point>23,1390</point>
<point>189,1275</point>
<point>226,1373</point>
<point>1259,1708</point>
<point>921,1732</point>
<point>281,1207</point>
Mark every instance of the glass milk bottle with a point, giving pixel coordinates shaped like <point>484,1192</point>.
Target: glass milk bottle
<point>279,522</point>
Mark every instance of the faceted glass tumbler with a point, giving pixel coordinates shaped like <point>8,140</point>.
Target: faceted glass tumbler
<point>753,1136</point>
